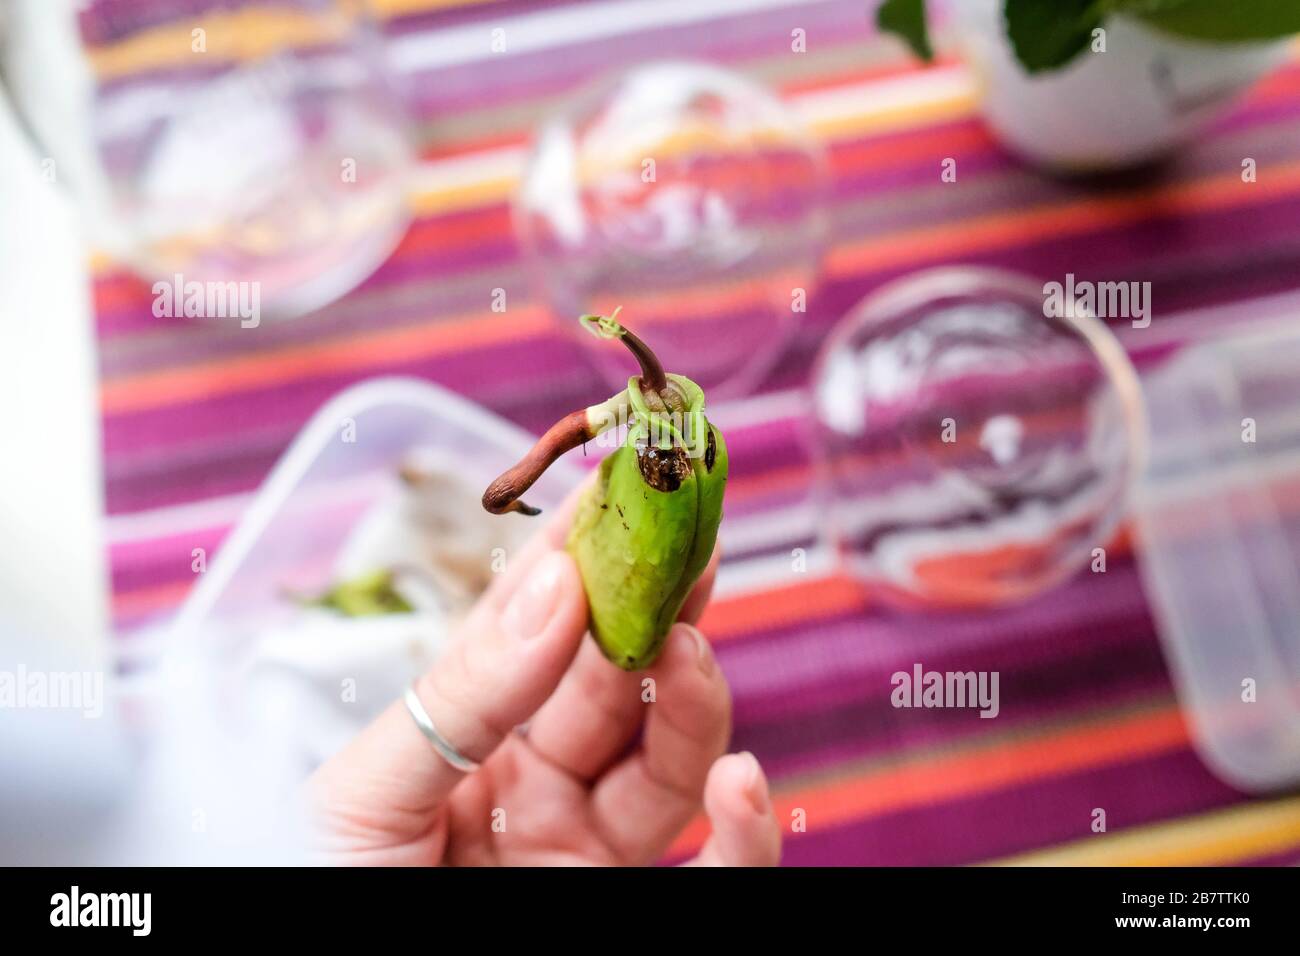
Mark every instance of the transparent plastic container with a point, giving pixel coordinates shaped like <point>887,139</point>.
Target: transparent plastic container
<point>239,697</point>
<point>335,507</point>
<point>1219,523</point>
<point>344,464</point>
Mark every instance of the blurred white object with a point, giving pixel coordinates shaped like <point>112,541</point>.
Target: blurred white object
<point>343,670</point>
<point>65,763</point>
<point>289,173</point>
<point>53,579</point>
<point>1148,92</point>
<point>277,162</point>
<point>52,88</point>
<point>1220,548</point>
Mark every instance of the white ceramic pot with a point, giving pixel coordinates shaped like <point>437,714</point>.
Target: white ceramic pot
<point>1146,94</point>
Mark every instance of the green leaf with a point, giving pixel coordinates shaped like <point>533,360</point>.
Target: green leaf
<point>370,594</point>
<point>906,19</point>
<point>1047,34</point>
<point>1224,21</point>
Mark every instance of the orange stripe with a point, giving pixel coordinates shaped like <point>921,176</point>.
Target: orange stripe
<point>835,595</point>
<point>437,150</point>
<point>1019,227</point>
<point>119,290</point>
<point>1281,83</point>
<point>725,619</point>
<point>849,155</point>
<point>949,777</point>
<point>455,231</point>
<point>793,477</point>
<point>390,9</point>
<point>207,379</point>
<point>1284,84</point>
<point>461,228</point>
<point>852,157</point>
<point>846,158</point>
<point>492,222</point>
<point>853,77</point>
<point>264,369</point>
<point>144,601</point>
<point>522,135</point>
<point>818,598</point>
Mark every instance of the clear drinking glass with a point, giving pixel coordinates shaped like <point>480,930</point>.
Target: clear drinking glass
<point>971,450</point>
<point>692,198</point>
<point>266,149</point>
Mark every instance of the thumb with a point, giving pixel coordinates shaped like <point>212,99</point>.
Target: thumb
<point>502,664</point>
<point>739,806</point>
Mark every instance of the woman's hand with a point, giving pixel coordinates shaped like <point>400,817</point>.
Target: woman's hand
<point>568,790</point>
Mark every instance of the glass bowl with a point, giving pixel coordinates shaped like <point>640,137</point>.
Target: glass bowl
<point>689,196</point>
<point>972,450</point>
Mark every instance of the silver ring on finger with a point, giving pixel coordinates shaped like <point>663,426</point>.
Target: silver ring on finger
<point>440,743</point>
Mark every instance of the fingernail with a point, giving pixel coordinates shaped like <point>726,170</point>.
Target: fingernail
<point>703,652</point>
<point>756,786</point>
<point>531,607</point>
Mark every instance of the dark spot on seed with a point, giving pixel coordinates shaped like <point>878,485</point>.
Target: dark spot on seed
<point>625,527</point>
<point>663,469</point>
<point>604,507</point>
<point>619,509</point>
<point>711,452</point>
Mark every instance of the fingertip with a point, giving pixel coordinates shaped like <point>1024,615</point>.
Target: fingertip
<point>756,790</point>
<point>568,616</point>
<point>739,806</point>
<point>738,785</point>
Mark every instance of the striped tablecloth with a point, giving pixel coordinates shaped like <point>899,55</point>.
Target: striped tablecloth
<point>194,415</point>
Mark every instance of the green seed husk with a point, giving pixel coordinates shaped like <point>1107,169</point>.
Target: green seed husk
<point>645,530</point>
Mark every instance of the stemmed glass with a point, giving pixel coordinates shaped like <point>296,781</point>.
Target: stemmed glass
<point>692,198</point>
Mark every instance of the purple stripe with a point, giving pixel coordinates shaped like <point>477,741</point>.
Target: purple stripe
<point>1021,189</point>
<point>136,314</point>
<point>1106,614</point>
<point>999,181</point>
<point>860,723</point>
<point>865,649</point>
<point>1220,256</point>
<point>1044,813</point>
<point>516,79</point>
<point>1186,258</point>
<point>148,438</point>
<point>280,411</point>
<point>161,561</point>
